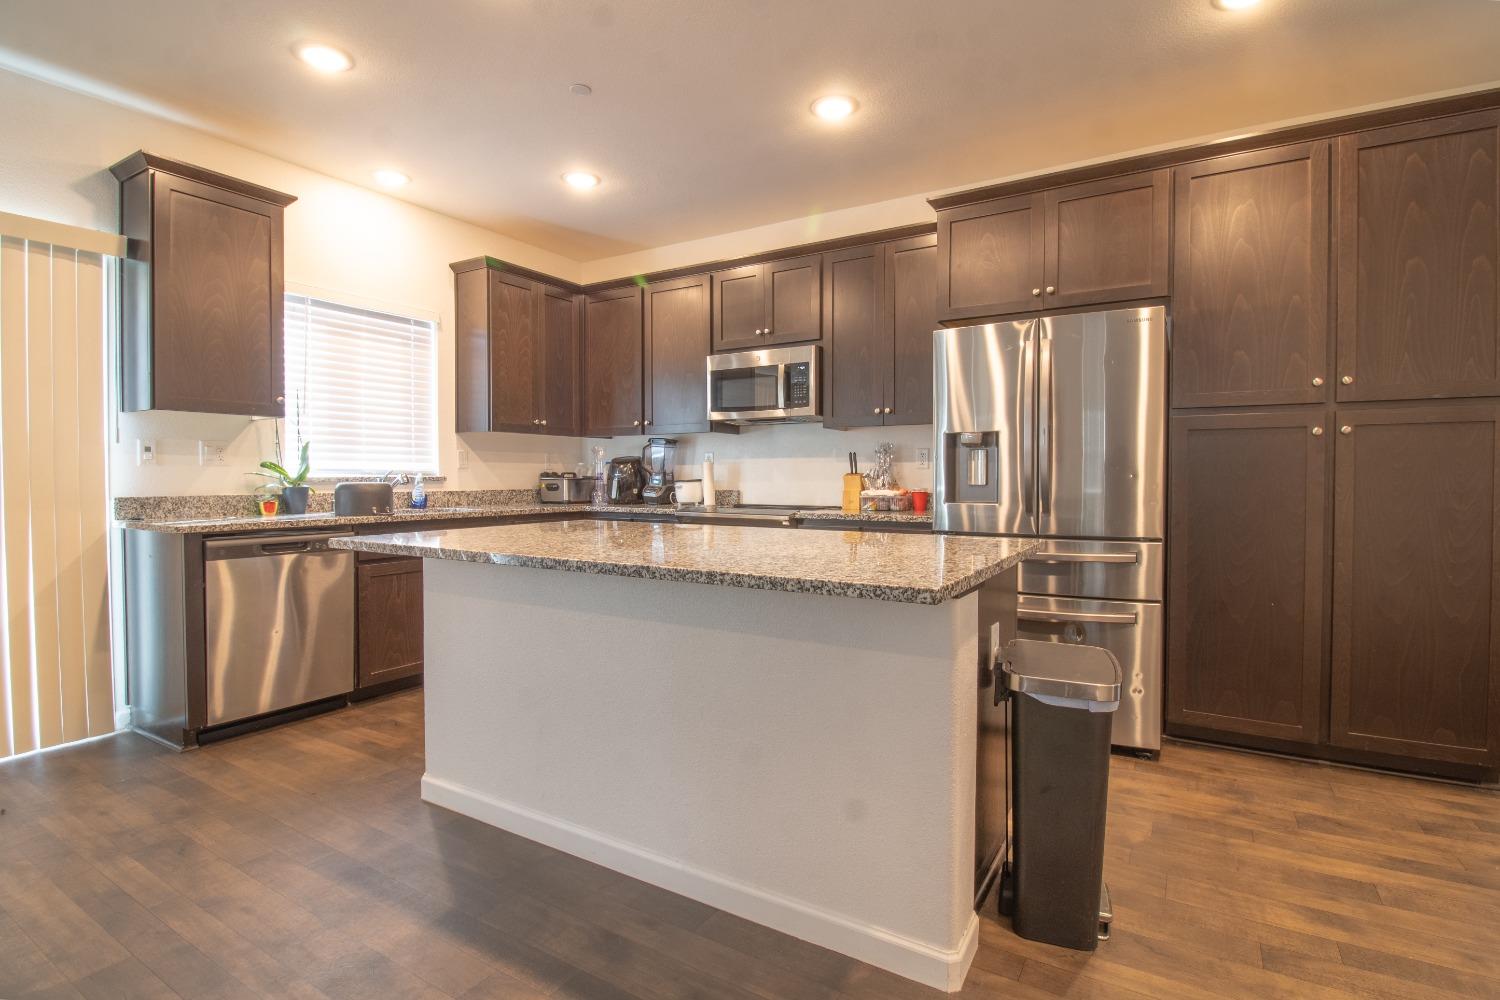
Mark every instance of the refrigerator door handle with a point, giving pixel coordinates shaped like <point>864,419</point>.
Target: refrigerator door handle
<point>1028,421</point>
<point>1101,617</point>
<point>1044,419</point>
<point>1084,557</point>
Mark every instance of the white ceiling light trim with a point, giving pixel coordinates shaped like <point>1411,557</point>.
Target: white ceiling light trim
<point>391,178</point>
<point>1235,4</point>
<point>324,58</point>
<point>581,180</point>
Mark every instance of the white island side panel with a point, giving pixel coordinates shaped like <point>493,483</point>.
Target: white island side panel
<point>801,760</point>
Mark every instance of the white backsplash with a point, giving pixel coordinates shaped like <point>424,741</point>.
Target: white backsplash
<point>789,463</point>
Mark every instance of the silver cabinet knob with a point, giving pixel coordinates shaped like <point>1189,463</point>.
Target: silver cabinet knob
<point>1051,289</point>
<point>1346,429</point>
<point>542,422</point>
<point>1318,380</point>
<point>534,421</point>
<point>768,331</point>
<point>635,423</point>
<point>645,423</point>
<point>877,411</point>
<point>889,410</point>
<point>1036,291</point>
<point>1347,380</point>
<point>1317,432</point>
<point>758,332</point>
<point>281,399</point>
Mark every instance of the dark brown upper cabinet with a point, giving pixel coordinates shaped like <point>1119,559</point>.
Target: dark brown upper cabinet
<point>1418,228</point>
<point>1251,302</point>
<point>517,352</point>
<point>1248,553</point>
<point>1416,623</point>
<point>879,311</point>
<point>613,360</point>
<point>676,351</point>
<point>990,258</point>
<point>760,305</point>
<point>202,290</point>
<point>1108,240</point>
<point>1094,243</point>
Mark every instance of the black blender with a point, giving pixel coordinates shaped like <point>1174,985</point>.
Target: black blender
<point>657,458</point>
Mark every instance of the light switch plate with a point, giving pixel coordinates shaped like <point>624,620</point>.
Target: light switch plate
<point>463,458</point>
<point>145,451</point>
<point>211,452</point>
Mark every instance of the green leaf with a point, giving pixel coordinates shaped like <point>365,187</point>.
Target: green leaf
<point>275,470</point>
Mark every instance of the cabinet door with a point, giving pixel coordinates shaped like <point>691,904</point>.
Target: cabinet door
<point>857,345</point>
<point>739,307</point>
<point>677,335</point>
<point>612,358</point>
<point>217,300</point>
<point>990,258</point>
<point>471,355</point>
<point>911,315</point>
<point>1251,285</point>
<point>390,620</point>
<point>515,346</point>
<point>1416,655</point>
<point>794,300</point>
<point>559,361</point>
<point>1248,557</point>
<point>1107,240</point>
<point>1418,225</point>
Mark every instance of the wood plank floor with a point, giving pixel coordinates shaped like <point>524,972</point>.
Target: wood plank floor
<point>300,863</point>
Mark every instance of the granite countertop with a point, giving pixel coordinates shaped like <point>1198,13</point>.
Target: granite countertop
<point>889,516</point>
<point>907,568</point>
<point>326,519</point>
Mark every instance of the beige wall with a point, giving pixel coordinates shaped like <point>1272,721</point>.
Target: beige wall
<point>55,150</point>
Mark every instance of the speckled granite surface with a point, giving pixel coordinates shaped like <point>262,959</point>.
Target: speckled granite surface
<point>908,568</point>
<point>234,512</point>
<point>894,517</point>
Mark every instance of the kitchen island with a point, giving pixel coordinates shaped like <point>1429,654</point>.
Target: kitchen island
<point>797,727</point>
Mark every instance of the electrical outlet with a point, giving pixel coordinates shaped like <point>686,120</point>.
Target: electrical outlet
<point>463,458</point>
<point>924,458</point>
<point>145,451</point>
<point>211,452</point>
<point>708,456</point>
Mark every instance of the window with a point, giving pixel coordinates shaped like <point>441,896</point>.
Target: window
<point>362,387</point>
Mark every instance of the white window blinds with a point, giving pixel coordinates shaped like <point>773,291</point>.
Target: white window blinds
<point>361,387</point>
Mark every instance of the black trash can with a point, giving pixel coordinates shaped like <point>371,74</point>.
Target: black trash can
<point>1062,698</point>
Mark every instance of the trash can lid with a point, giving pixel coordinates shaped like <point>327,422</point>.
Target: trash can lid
<point>1062,670</point>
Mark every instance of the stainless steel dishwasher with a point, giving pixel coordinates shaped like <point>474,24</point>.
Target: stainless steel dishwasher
<point>280,611</point>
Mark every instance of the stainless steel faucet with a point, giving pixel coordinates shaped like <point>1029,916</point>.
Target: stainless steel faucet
<point>397,478</point>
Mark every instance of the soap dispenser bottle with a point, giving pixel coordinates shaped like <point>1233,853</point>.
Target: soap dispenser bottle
<point>419,494</point>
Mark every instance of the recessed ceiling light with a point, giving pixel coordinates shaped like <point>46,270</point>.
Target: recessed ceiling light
<point>581,179</point>
<point>324,58</point>
<point>580,90</point>
<point>1235,4</point>
<point>391,178</point>
<point>834,107</point>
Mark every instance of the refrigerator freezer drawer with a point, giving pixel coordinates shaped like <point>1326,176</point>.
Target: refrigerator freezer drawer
<point>1132,630</point>
<point>1121,571</point>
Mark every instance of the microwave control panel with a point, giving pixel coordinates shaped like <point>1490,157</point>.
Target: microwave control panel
<point>798,385</point>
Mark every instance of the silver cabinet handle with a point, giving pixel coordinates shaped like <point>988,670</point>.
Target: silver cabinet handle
<point>635,423</point>
<point>1085,557</point>
<point>1347,380</point>
<point>759,331</point>
<point>1317,432</point>
<point>1346,429</point>
<point>1036,291</point>
<point>644,423</point>
<point>281,399</point>
<point>543,422</point>
<point>768,331</point>
<point>877,411</point>
<point>1318,380</point>
<point>1051,289</point>
<point>1102,617</point>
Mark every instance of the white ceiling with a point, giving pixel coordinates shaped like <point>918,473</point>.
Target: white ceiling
<point>699,122</point>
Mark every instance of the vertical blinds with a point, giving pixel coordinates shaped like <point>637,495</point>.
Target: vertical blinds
<point>55,674</point>
<point>361,387</point>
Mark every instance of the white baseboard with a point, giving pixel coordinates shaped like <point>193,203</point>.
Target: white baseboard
<point>930,966</point>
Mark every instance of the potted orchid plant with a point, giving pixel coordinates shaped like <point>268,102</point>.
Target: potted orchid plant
<point>291,485</point>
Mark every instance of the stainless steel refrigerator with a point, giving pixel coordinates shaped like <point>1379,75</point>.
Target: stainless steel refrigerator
<point>1056,427</point>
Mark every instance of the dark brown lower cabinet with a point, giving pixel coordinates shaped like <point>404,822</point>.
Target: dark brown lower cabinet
<point>1247,548</point>
<point>390,621</point>
<point>1416,652</point>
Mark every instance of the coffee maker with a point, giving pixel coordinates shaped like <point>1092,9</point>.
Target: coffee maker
<point>658,458</point>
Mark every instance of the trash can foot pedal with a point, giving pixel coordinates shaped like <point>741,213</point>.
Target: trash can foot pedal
<point>1006,897</point>
<point>1106,912</point>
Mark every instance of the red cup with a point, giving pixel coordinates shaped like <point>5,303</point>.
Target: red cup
<point>919,501</point>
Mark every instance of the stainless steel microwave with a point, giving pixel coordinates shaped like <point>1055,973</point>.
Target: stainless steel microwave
<point>775,385</point>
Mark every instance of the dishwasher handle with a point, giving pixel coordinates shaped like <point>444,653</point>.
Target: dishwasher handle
<point>275,545</point>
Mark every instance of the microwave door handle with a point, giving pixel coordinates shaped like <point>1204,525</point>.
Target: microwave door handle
<point>781,375</point>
